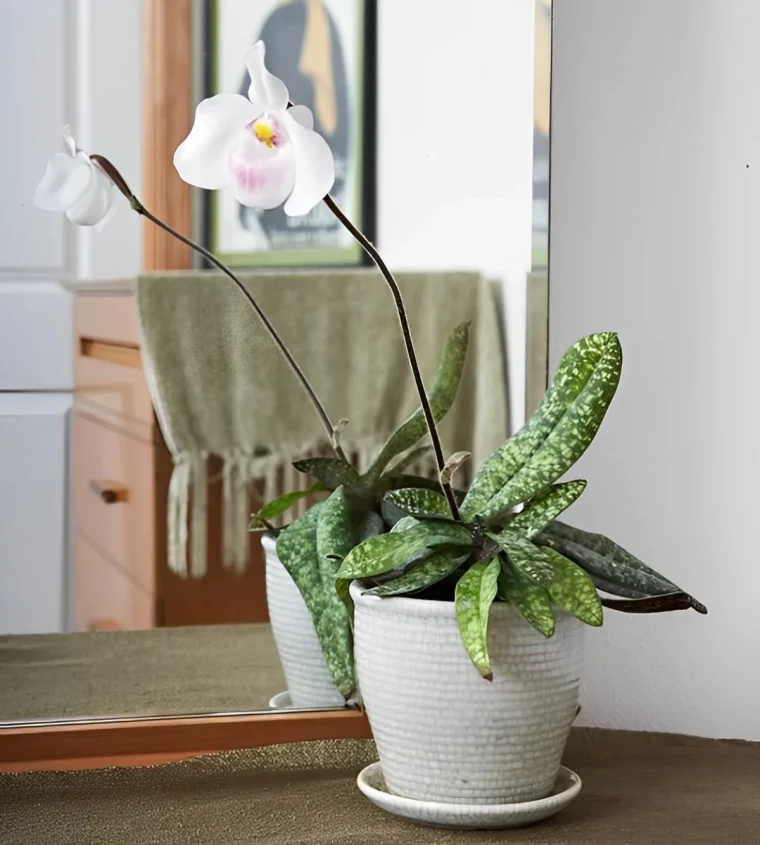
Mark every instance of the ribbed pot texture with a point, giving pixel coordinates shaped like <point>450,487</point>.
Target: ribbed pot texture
<point>308,678</point>
<point>445,734</point>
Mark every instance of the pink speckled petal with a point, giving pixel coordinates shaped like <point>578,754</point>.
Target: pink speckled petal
<point>261,177</point>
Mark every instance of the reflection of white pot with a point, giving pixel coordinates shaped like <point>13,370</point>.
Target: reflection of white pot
<point>445,734</point>
<point>307,675</point>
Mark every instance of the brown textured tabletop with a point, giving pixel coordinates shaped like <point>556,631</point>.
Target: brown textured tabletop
<point>166,670</point>
<point>638,789</point>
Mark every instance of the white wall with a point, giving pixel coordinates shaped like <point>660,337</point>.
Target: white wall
<point>455,146</point>
<point>654,234</point>
<point>109,121</point>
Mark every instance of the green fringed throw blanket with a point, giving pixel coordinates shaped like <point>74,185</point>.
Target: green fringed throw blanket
<point>220,387</point>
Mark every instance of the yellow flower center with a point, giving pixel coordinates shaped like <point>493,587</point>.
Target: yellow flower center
<point>264,133</point>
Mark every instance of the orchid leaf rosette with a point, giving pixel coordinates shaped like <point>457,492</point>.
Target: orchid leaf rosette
<point>509,544</point>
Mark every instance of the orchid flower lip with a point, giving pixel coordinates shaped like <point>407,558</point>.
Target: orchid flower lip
<point>265,151</point>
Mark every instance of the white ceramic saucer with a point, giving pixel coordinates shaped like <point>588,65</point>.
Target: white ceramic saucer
<point>469,816</point>
<point>281,701</point>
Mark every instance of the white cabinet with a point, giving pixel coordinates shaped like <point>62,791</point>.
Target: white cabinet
<point>33,511</point>
<point>62,62</point>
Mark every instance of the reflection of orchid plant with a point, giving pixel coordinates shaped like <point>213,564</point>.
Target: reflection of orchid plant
<point>478,546</point>
<point>74,185</point>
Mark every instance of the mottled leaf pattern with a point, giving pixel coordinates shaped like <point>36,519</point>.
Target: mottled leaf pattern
<point>475,592</point>
<point>573,590</point>
<point>619,572</point>
<point>544,509</point>
<point>297,549</point>
<point>404,524</point>
<point>409,460</point>
<point>332,472</point>
<point>427,572</point>
<point>336,536</point>
<point>614,589</point>
<point>527,557</point>
<point>527,597</point>
<point>367,524</point>
<point>388,551</point>
<point>556,435</point>
<point>441,396</point>
<point>283,503</point>
<point>419,503</point>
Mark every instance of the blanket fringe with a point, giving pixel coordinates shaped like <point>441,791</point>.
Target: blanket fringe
<point>188,499</point>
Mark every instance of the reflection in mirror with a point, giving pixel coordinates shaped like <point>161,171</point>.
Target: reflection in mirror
<point>131,583</point>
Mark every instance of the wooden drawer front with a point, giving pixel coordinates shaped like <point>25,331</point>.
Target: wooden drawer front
<point>114,496</point>
<point>105,598</point>
<point>118,388</point>
<point>104,316</point>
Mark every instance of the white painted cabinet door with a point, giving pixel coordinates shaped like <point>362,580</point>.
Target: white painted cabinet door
<point>33,512</point>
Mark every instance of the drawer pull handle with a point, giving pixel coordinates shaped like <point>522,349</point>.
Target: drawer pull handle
<point>110,492</point>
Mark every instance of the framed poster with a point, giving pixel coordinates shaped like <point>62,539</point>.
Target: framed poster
<point>324,50</point>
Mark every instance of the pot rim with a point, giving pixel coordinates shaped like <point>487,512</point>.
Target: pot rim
<point>269,542</point>
<point>414,605</point>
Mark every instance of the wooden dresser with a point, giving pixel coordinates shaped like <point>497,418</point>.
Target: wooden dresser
<point>121,470</point>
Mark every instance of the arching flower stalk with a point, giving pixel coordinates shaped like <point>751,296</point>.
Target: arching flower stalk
<point>266,150</point>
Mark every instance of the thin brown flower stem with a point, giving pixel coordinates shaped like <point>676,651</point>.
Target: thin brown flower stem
<point>370,249</point>
<point>122,185</point>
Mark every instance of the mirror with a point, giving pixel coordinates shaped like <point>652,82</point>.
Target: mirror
<point>93,623</point>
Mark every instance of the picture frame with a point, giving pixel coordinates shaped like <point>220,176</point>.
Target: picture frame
<point>327,57</point>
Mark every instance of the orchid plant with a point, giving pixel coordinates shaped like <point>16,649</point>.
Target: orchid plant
<point>399,534</point>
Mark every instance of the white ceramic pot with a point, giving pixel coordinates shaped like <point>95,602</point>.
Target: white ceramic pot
<point>445,734</point>
<point>309,681</point>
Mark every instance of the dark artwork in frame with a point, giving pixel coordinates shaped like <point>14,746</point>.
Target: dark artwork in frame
<point>325,52</point>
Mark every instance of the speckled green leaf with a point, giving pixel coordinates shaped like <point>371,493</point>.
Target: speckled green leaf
<point>527,557</point>
<point>297,549</point>
<point>418,503</point>
<point>303,548</point>
<point>573,590</point>
<point>367,524</point>
<point>556,435</point>
<point>529,599</point>
<point>404,524</point>
<point>281,504</point>
<point>610,566</point>
<point>544,509</point>
<point>434,568</point>
<point>388,551</point>
<point>475,592</point>
<point>441,396</point>
<point>333,622</point>
<point>409,460</point>
<point>332,472</point>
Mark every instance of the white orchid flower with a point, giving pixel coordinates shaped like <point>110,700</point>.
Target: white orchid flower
<point>267,152</point>
<point>74,184</point>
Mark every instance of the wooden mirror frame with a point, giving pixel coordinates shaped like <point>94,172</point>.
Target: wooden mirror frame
<point>81,744</point>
